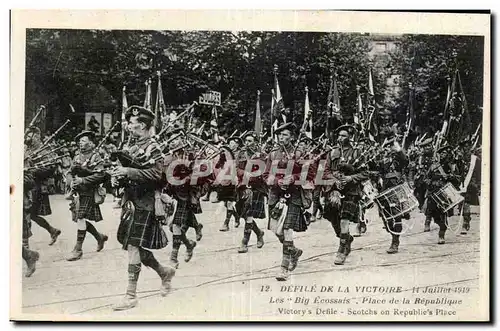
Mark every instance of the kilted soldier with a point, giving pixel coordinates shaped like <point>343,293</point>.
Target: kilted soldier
<point>140,230</point>
<point>342,201</point>
<point>29,256</point>
<point>40,192</point>
<point>87,176</point>
<point>282,190</point>
<point>251,195</point>
<point>226,192</point>
<point>178,174</point>
<point>471,184</point>
<point>391,170</point>
<point>317,209</point>
<point>439,174</point>
<point>420,180</point>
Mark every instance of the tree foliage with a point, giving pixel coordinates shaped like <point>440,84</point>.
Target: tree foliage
<point>428,62</point>
<point>64,63</point>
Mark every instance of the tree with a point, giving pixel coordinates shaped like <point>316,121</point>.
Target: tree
<point>428,62</point>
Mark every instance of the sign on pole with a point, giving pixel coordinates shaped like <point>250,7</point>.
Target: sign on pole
<point>210,98</point>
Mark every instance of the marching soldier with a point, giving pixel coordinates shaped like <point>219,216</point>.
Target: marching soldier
<point>187,197</point>
<point>391,170</point>
<point>84,184</point>
<point>251,198</point>
<point>140,230</point>
<point>441,172</point>
<point>471,184</point>
<point>29,256</point>
<point>342,201</point>
<point>283,192</point>
<point>41,203</point>
<point>227,192</point>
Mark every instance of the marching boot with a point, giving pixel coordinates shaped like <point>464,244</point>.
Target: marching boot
<point>341,253</point>
<point>465,226</point>
<point>189,250</point>
<point>285,263</point>
<point>225,226</point>
<point>427,224</point>
<point>295,254</point>
<point>259,233</point>
<point>166,273</point>
<point>247,232</point>
<point>77,253</point>
<point>236,221</point>
<point>54,235</point>
<point>101,238</point>
<point>441,240</point>
<point>394,245</point>
<point>130,299</point>
<point>30,257</point>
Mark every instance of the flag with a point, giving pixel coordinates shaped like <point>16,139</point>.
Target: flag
<point>410,114</point>
<point>370,83</point>
<point>258,120</point>
<point>307,125</point>
<point>160,107</point>
<point>214,129</point>
<point>334,115</point>
<point>124,109</point>
<point>277,105</point>
<point>147,99</point>
<point>459,118</point>
<point>359,108</point>
<point>371,114</point>
<point>448,96</point>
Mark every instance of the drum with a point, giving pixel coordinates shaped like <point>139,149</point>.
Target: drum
<point>369,194</point>
<point>447,197</point>
<point>396,201</point>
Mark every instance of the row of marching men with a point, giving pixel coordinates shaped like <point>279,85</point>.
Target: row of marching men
<point>152,199</point>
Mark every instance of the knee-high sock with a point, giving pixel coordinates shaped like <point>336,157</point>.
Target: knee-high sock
<point>287,249</point>
<point>175,247</point>
<point>247,232</point>
<point>80,238</point>
<point>133,276</point>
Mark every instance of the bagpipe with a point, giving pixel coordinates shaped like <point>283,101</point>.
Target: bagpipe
<point>45,164</point>
<point>45,144</point>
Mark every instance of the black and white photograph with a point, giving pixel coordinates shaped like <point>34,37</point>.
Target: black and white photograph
<point>241,172</point>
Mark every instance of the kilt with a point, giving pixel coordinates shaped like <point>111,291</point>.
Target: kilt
<point>254,208</point>
<point>41,204</point>
<point>185,213</point>
<point>88,209</point>
<point>226,193</point>
<point>350,208</point>
<point>294,218</point>
<point>434,212</point>
<point>142,230</point>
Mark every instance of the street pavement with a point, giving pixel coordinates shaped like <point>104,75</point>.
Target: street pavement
<point>221,284</point>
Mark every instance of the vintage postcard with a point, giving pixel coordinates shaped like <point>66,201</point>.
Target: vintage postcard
<point>249,166</point>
